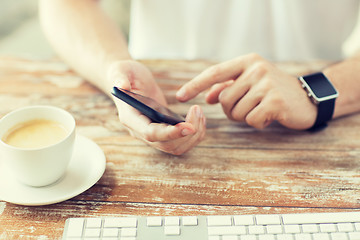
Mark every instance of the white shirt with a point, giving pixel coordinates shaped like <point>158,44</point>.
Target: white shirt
<point>280,30</point>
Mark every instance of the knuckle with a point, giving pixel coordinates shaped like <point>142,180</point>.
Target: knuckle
<point>268,83</point>
<point>254,56</point>
<point>213,72</point>
<point>264,88</point>
<point>237,116</point>
<point>259,71</point>
<point>224,100</point>
<point>276,100</point>
<point>227,112</point>
<point>252,121</point>
<point>261,67</point>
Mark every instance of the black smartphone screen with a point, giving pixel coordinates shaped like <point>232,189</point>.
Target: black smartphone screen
<point>148,106</point>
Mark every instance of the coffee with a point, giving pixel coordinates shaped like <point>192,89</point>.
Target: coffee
<point>35,134</point>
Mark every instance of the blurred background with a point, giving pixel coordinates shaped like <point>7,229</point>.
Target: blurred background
<point>20,30</point>
<point>21,34</point>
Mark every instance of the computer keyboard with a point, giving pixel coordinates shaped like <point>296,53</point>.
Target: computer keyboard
<point>299,226</point>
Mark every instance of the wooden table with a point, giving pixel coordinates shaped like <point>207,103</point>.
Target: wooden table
<point>235,170</point>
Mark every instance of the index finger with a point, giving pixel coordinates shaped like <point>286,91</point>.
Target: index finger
<point>215,74</point>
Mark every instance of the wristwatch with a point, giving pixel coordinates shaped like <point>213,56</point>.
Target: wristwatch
<point>323,94</point>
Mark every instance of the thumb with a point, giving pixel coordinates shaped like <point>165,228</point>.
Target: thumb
<point>118,78</point>
<point>122,82</point>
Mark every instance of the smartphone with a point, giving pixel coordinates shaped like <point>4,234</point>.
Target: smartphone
<point>148,106</point>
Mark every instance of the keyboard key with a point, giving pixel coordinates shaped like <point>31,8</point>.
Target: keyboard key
<point>345,227</point>
<point>214,238</point>
<point>267,219</point>
<point>227,230</point>
<point>354,235</point>
<point>110,232</point>
<point>154,221</point>
<point>338,236</point>
<point>92,232</point>
<point>219,221</point>
<point>189,221</point>
<point>292,228</point>
<point>266,237</point>
<point>230,237</point>
<point>128,232</point>
<point>93,223</point>
<point>256,230</point>
<point>75,227</point>
<point>272,229</point>
<point>284,237</point>
<point>357,226</point>
<point>309,228</point>
<point>172,221</point>
<point>248,237</point>
<point>329,227</point>
<point>172,230</point>
<point>120,222</point>
<point>303,236</point>
<point>321,236</point>
<point>244,220</point>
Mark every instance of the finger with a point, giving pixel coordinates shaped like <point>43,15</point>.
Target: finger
<point>212,96</point>
<point>161,132</point>
<point>123,82</point>
<point>216,74</point>
<point>245,93</point>
<point>144,129</point>
<point>261,116</point>
<point>230,96</point>
<point>172,146</point>
<point>246,104</point>
<point>117,77</point>
<point>194,115</point>
<point>132,118</point>
<point>191,141</point>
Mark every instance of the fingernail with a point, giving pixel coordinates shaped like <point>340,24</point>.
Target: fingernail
<point>204,121</point>
<point>123,85</point>
<point>199,112</point>
<point>186,132</point>
<point>181,93</point>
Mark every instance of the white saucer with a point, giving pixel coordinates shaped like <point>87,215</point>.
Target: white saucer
<point>85,169</point>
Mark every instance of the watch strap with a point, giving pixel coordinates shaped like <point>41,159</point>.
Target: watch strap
<point>325,113</point>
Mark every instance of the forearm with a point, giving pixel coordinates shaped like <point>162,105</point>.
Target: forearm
<point>346,79</point>
<point>84,37</point>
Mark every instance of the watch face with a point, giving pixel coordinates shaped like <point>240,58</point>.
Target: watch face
<point>320,85</point>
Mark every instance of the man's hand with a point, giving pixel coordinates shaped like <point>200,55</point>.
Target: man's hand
<point>252,90</point>
<point>178,139</point>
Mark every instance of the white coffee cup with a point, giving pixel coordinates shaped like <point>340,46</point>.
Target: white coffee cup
<point>42,164</point>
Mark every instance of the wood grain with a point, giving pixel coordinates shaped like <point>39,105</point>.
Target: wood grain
<point>235,170</point>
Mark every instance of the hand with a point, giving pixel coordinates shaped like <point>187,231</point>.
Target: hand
<point>252,90</point>
<point>178,139</point>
